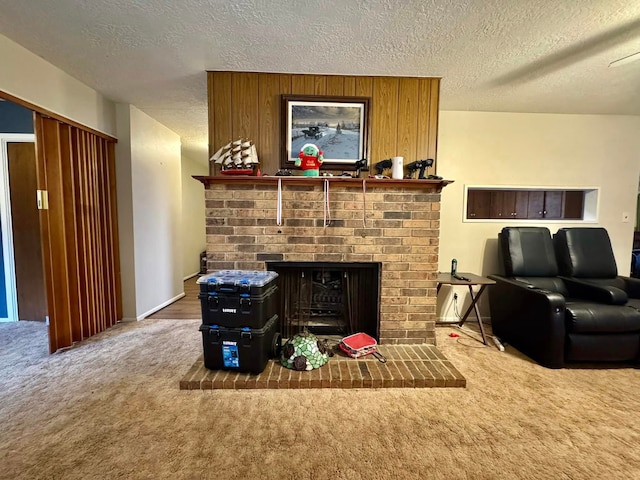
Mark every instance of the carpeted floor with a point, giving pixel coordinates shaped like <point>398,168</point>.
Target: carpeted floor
<point>111,408</point>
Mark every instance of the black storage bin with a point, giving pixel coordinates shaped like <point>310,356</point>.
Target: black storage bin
<point>238,298</point>
<point>241,349</point>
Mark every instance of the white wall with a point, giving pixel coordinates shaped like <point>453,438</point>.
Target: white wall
<point>193,215</point>
<point>512,149</point>
<point>30,78</point>
<point>149,177</point>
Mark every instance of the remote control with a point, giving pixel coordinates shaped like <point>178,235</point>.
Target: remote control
<point>460,277</point>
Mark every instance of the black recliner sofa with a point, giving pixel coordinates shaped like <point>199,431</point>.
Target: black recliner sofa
<point>585,258</point>
<point>553,321</point>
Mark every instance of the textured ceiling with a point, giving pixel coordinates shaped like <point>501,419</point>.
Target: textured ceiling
<point>493,55</point>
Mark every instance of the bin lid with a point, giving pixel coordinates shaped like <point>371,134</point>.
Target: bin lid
<point>252,278</point>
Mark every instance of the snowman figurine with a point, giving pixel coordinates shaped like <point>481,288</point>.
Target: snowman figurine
<point>309,160</point>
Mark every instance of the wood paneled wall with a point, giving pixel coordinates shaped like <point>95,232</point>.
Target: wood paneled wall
<point>79,231</point>
<point>404,111</point>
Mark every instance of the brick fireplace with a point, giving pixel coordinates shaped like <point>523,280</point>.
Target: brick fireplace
<point>336,219</point>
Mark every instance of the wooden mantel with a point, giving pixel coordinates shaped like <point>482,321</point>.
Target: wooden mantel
<point>436,185</point>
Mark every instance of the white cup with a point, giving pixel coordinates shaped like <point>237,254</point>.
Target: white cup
<point>397,170</point>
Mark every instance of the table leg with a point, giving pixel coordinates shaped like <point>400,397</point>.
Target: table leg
<point>474,306</point>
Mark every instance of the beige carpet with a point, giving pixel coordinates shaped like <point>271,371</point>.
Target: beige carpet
<point>111,408</point>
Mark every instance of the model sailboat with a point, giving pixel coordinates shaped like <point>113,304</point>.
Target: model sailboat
<point>239,157</point>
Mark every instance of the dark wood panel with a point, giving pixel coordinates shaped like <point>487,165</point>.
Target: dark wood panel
<point>349,86</point>
<point>364,87</point>
<point>244,98</point>
<point>521,204</point>
<point>96,276</point>
<point>535,208</point>
<point>221,132</point>
<point>498,209</point>
<point>384,119</point>
<point>31,293</point>
<point>434,108</point>
<point>285,83</point>
<point>269,107</point>
<point>89,232</point>
<point>319,85</point>
<point>45,234</point>
<point>58,307</point>
<point>574,204</point>
<point>84,284</point>
<point>335,85</point>
<point>478,204</point>
<point>553,204</point>
<point>408,119</point>
<point>72,253</point>
<point>303,84</point>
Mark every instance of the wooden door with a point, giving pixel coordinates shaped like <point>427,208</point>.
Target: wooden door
<point>31,293</point>
<point>79,231</point>
<point>521,204</point>
<point>553,204</point>
<point>573,204</point>
<point>478,204</point>
<point>513,204</point>
<point>498,205</point>
<point>535,207</point>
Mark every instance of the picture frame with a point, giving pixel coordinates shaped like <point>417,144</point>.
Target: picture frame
<point>337,125</point>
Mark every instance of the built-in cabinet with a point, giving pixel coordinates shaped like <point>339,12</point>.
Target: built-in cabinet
<point>524,204</point>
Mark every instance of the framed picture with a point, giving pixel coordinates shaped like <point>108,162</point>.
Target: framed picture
<point>339,126</point>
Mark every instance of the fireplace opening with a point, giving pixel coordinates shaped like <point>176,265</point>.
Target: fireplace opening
<point>329,298</point>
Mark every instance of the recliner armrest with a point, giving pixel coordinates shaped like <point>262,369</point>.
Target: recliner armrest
<point>586,290</point>
<point>529,318</point>
<point>633,286</point>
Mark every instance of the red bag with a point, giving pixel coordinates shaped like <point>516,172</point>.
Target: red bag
<point>359,345</point>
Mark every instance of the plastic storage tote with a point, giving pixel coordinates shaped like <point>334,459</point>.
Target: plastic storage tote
<point>241,349</point>
<point>238,298</point>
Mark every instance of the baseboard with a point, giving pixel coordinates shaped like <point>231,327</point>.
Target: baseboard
<point>191,275</point>
<point>161,306</point>
<point>453,320</point>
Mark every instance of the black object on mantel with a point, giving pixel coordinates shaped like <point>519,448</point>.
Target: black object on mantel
<point>382,165</point>
<point>359,165</point>
<point>421,165</point>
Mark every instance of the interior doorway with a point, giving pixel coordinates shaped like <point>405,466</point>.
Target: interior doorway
<point>24,291</point>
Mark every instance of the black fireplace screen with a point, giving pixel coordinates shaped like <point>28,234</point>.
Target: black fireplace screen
<point>328,298</point>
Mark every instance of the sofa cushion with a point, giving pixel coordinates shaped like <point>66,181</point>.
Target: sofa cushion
<point>528,252</point>
<point>585,252</point>
<point>586,317</point>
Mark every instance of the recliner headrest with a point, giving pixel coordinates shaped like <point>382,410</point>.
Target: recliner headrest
<point>528,252</point>
<point>585,252</point>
